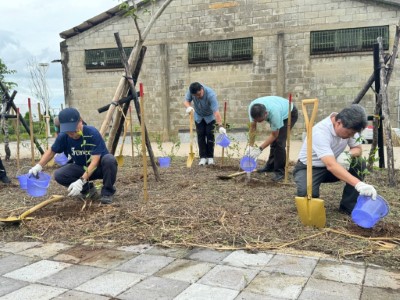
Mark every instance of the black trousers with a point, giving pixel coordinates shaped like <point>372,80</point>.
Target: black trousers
<point>206,138</point>
<point>106,170</point>
<point>322,175</point>
<point>277,155</point>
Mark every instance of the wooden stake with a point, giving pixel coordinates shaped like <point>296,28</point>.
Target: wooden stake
<point>222,154</point>
<point>145,194</point>
<point>31,131</point>
<point>289,123</point>
<point>131,129</point>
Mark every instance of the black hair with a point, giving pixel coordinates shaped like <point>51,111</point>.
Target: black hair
<point>353,117</point>
<point>195,87</point>
<point>258,111</point>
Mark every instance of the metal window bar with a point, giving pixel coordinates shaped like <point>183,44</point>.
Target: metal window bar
<point>220,51</point>
<point>104,58</point>
<point>348,40</point>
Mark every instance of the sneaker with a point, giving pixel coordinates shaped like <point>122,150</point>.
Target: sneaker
<point>277,177</point>
<point>106,199</point>
<point>91,194</point>
<point>5,179</point>
<point>210,161</point>
<point>202,162</point>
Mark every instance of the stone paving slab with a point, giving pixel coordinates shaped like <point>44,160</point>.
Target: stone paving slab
<point>34,291</point>
<point>72,295</point>
<point>253,296</point>
<point>277,285</point>
<point>45,250</point>
<point>330,290</point>
<point>370,293</point>
<point>292,265</point>
<point>208,255</point>
<point>138,249</point>
<point>185,270</point>
<point>145,264</point>
<point>229,277</point>
<point>171,252</point>
<point>381,278</point>
<point>15,247</point>
<point>72,277</point>
<point>108,259</point>
<point>155,288</point>
<point>37,271</point>
<point>248,260</point>
<point>111,283</point>
<point>8,285</point>
<point>12,262</point>
<point>204,292</point>
<point>346,273</point>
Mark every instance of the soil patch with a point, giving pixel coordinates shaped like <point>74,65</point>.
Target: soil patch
<point>192,207</point>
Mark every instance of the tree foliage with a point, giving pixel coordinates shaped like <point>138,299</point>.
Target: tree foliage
<point>4,71</point>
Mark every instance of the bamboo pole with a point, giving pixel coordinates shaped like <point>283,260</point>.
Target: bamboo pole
<point>17,132</point>
<point>145,194</point>
<point>31,131</point>
<point>131,130</point>
<point>289,124</point>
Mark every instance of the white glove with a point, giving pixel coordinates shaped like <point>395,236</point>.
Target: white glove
<point>253,152</point>
<point>222,130</point>
<point>366,190</point>
<point>189,110</point>
<point>35,170</point>
<point>75,188</point>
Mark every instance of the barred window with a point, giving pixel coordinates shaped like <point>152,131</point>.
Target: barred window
<point>348,40</point>
<point>105,58</point>
<point>221,51</point>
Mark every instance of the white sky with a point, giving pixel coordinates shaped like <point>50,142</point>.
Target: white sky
<point>30,29</point>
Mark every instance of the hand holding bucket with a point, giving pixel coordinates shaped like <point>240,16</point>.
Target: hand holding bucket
<point>223,140</point>
<point>368,212</point>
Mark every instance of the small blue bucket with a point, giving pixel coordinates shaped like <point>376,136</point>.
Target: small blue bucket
<point>368,212</point>
<point>223,140</point>
<point>60,159</point>
<point>37,187</point>
<point>248,163</point>
<point>164,161</point>
<point>23,181</point>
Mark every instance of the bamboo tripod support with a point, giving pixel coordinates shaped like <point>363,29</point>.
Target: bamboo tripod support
<point>145,193</point>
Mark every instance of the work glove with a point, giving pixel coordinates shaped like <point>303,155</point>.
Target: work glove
<point>253,152</point>
<point>75,188</point>
<point>222,130</point>
<point>35,170</point>
<point>366,190</point>
<point>189,110</point>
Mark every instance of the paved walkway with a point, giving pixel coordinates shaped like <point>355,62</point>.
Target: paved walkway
<point>33,270</point>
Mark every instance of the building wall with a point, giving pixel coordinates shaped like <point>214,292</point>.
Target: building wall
<point>281,58</point>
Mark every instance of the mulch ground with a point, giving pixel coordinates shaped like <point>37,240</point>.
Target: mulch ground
<point>192,207</point>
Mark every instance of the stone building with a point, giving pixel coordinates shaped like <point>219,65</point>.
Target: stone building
<point>243,49</point>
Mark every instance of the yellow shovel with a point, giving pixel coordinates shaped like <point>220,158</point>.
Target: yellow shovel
<point>311,210</point>
<point>120,157</point>
<point>19,219</point>
<point>191,153</point>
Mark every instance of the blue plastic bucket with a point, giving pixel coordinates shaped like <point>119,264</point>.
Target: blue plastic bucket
<point>164,162</point>
<point>60,159</point>
<point>248,163</point>
<point>23,181</point>
<point>368,212</point>
<point>223,140</point>
<point>37,187</point>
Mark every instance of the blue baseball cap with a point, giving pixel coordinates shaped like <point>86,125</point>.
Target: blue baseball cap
<point>69,119</point>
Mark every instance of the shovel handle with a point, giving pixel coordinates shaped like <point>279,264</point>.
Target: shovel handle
<point>52,199</point>
<point>309,122</point>
<point>191,130</point>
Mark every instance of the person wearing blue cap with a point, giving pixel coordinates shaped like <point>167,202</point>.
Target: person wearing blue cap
<point>274,110</point>
<point>206,116</point>
<point>90,156</point>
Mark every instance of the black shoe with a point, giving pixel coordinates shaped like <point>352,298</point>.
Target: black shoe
<point>277,177</point>
<point>106,199</point>
<point>265,170</point>
<point>5,179</point>
<point>344,210</point>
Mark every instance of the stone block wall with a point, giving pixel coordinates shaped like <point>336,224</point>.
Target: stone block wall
<point>334,79</point>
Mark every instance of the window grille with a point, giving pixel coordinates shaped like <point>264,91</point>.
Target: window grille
<point>348,40</point>
<point>104,58</point>
<point>221,51</point>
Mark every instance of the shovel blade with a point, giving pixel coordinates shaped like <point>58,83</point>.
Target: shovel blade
<point>120,160</point>
<point>311,211</point>
<point>190,160</point>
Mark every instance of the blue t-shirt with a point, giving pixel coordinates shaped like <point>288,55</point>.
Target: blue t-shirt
<point>277,108</point>
<point>91,143</point>
<point>205,107</point>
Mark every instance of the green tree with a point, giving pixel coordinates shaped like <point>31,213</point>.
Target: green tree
<point>4,71</point>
